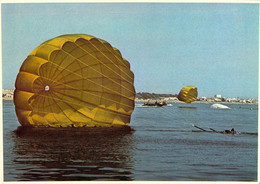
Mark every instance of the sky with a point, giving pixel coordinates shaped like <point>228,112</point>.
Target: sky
<point>214,47</point>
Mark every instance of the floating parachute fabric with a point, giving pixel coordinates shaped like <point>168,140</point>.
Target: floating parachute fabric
<point>188,94</point>
<point>74,81</point>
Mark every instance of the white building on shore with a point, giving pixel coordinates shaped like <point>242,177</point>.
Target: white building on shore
<point>218,96</point>
<point>8,93</point>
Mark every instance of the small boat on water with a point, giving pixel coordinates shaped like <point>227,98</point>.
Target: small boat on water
<point>156,104</point>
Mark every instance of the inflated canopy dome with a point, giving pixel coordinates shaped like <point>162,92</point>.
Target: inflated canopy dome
<point>188,94</point>
<point>74,80</point>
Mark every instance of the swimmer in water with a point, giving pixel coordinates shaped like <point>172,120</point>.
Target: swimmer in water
<point>232,131</point>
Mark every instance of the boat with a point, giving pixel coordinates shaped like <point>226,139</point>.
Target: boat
<point>156,104</point>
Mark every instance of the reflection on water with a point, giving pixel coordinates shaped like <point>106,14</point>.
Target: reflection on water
<point>73,153</point>
<point>162,147</point>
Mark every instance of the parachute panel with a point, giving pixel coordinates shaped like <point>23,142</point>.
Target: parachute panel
<point>75,80</point>
<point>188,94</point>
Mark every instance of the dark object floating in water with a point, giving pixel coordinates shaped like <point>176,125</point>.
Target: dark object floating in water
<point>186,107</point>
<point>156,104</point>
<point>153,105</point>
<point>199,131</point>
<point>232,131</point>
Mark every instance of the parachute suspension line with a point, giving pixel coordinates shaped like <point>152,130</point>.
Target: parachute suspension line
<point>163,110</point>
<point>69,104</point>
<point>38,103</point>
<point>193,117</point>
<point>53,81</point>
<point>56,69</point>
<point>95,71</point>
<point>116,55</point>
<point>95,59</point>
<point>198,127</point>
<point>76,104</point>
<point>49,99</point>
<point>107,58</point>
<point>169,114</point>
<point>106,65</point>
<point>73,72</point>
<point>55,99</point>
<point>71,87</point>
<point>183,120</point>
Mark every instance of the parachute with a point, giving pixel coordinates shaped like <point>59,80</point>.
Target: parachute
<point>219,106</point>
<point>74,81</point>
<point>188,94</point>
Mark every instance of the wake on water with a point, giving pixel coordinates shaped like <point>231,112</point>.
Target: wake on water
<point>143,106</point>
<point>214,106</point>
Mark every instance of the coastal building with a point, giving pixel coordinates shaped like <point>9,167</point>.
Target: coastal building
<point>170,99</point>
<point>218,96</point>
<point>7,94</point>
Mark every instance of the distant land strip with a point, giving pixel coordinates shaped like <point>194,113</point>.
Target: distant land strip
<point>169,98</point>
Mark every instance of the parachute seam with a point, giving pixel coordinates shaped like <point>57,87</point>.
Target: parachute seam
<point>38,105</point>
<point>93,69</point>
<point>75,110</point>
<point>77,88</point>
<point>109,78</point>
<point>83,78</point>
<point>52,64</point>
<point>91,54</point>
<point>51,109</point>
<point>61,108</point>
<point>98,71</point>
<point>95,94</point>
<point>72,73</point>
<point>116,54</point>
<point>110,59</point>
<point>125,114</point>
<point>103,54</point>
<point>94,121</point>
<point>55,74</point>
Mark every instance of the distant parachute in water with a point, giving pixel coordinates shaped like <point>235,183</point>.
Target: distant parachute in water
<point>188,94</point>
<point>74,81</point>
<point>219,106</point>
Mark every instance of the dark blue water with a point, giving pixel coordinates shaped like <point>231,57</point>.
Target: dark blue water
<point>160,145</point>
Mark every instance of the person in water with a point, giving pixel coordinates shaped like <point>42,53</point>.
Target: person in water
<point>232,131</point>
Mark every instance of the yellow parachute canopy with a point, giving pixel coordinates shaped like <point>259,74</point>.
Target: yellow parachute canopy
<point>74,81</point>
<point>188,94</point>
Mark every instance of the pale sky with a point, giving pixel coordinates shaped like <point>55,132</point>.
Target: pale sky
<point>168,45</point>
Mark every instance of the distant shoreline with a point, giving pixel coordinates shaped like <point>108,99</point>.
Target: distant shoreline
<point>7,99</point>
<point>203,102</point>
<point>143,101</point>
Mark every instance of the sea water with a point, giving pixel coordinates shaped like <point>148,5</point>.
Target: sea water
<point>161,145</point>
